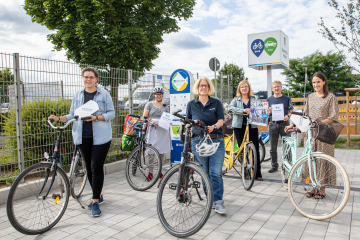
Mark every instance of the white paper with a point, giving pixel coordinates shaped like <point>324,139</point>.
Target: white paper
<point>277,112</point>
<point>165,120</point>
<point>87,109</point>
<point>300,122</point>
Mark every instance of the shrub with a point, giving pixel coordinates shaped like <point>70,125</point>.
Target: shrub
<point>37,137</point>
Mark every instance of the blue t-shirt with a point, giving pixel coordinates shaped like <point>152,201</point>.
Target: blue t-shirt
<point>246,106</point>
<point>285,100</point>
<point>209,114</point>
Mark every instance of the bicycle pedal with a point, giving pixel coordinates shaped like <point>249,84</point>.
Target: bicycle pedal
<point>55,196</point>
<point>196,184</point>
<point>172,186</point>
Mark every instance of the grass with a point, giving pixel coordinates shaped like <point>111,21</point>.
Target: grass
<point>354,143</point>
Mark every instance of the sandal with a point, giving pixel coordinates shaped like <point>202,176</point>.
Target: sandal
<point>309,194</point>
<point>319,196</point>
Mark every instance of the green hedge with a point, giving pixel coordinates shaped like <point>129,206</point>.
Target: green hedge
<point>37,137</point>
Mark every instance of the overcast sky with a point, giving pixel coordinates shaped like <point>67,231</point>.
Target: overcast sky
<point>218,28</point>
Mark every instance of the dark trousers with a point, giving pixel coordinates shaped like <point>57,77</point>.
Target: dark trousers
<point>253,137</point>
<point>274,130</point>
<point>94,156</point>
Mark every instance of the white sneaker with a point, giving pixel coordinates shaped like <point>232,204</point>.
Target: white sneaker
<point>219,208</point>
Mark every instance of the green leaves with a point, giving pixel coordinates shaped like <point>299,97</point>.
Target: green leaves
<point>331,64</point>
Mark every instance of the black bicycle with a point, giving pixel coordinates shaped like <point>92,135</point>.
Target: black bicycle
<point>39,196</point>
<point>143,166</point>
<point>185,195</point>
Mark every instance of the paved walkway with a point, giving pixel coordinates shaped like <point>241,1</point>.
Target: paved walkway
<point>265,212</point>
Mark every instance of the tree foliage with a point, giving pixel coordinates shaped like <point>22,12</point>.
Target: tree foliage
<point>6,79</point>
<point>235,73</point>
<point>331,64</point>
<point>348,36</point>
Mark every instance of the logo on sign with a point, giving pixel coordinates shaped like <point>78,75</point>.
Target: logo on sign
<point>257,47</point>
<point>180,81</point>
<point>270,45</point>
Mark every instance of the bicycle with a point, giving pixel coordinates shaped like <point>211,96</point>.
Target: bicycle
<point>262,149</point>
<point>143,166</point>
<point>36,203</point>
<point>185,195</point>
<point>245,155</point>
<point>303,177</point>
<point>260,46</point>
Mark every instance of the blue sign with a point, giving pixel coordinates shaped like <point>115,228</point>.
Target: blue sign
<point>180,82</point>
<point>159,77</point>
<point>257,46</point>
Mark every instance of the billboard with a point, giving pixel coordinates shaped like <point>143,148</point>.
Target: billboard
<point>268,49</point>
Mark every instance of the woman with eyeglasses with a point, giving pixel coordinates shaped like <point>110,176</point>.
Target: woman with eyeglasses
<point>210,111</point>
<point>94,135</point>
<point>157,136</point>
<point>241,104</point>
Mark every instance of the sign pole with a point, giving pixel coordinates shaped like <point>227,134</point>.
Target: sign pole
<point>269,81</point>
<point>215,76</point>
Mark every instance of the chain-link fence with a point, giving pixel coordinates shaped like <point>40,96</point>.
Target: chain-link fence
<point>33,88</point>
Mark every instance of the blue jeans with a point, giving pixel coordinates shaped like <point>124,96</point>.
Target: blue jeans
<point>213,167</point>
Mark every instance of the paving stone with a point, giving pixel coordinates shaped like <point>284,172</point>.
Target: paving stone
<point>291,232</point>
<point>266,233</point>
<point>228,227</point>
<point>317,230</point>
<point>217,235</point>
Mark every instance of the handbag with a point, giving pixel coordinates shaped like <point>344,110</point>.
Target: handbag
<point>327,133</point>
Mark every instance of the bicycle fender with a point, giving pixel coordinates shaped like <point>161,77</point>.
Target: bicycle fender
<point>166,173</point>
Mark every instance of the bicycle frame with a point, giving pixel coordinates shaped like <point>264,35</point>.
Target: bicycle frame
<point>292,141</point>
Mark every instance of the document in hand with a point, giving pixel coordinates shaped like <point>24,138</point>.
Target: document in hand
<point>300,122</point>
<point>165,120</point>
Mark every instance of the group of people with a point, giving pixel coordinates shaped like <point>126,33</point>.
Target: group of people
<point>94,136</point>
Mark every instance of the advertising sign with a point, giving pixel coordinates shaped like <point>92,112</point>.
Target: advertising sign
<point>181,83</point>
<point>268,49</point>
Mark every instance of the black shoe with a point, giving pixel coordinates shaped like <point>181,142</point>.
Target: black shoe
<point>272,170</point>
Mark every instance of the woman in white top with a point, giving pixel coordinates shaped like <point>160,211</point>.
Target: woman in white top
<point>157,136</point>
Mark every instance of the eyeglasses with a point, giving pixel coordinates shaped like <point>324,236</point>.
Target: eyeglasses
<point>276,86</point>
<point>91,78</point>
<point>203,86</point>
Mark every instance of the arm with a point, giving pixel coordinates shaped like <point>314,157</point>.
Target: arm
<point>233,106</point>
<point>110,112</point>
<point>220,115</point>
<point>333,111</point>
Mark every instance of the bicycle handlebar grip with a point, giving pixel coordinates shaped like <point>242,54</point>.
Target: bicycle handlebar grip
<point>298,113</point>
<point>86,118</point>
<point>51,120</point>
<point>178,115</point>
<point>132,115</point>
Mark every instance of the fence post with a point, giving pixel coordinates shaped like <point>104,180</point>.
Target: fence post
<point>221,87</point>
<point>229,98</point>
<point>62,89</point>
<point>131,107</point>
<point>19,133</point>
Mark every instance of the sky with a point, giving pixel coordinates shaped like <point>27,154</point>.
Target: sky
<point>218,28</point>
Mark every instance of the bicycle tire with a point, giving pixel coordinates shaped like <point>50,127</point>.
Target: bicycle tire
<point>136,174</point>
<point>262,151</point>
<point>36,213</point>
<point>297,189</point>
<point>78,176</point>
<point>248,172</point>
<point>286,155</point>
<point>170,180</point>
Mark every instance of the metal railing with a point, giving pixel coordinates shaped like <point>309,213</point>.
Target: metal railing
<point>33,88</point>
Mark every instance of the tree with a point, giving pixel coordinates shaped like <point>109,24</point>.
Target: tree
<point>348,36</point>
<point>330,64</point>
<point>238,74</point>
<point>112,33</point>
<point>6,79</point>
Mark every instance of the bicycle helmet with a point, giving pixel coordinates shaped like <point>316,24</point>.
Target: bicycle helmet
<point>206,147</point>
<point>158,90</point>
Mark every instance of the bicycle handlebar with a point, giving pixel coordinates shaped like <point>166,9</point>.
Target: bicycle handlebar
<point>76,118</point>
<point>194,123</point>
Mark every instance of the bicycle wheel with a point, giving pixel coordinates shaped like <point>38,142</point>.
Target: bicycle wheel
<point>30,213</point>
<point>262,150</point>
<point>78,176</point>
<point>286,155</point>
<point>249,167</point>
<point>186,216</point>
<point>329,174</point>
<point>143,167</point>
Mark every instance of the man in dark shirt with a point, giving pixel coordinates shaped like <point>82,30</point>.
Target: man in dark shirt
<point>278,127</point>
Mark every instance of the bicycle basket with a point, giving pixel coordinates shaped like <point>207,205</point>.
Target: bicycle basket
<point>328,133</point>
<point>130,124</point>
<point>227,126</point>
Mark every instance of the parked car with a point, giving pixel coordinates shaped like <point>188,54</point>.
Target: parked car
<point>5,107</point>
<point>121,105</point>
<point>270,44</point>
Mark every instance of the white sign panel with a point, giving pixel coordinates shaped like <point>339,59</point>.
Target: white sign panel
<point>268,48</point>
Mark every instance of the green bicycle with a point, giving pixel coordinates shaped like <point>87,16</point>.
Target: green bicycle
<point>318,184</point>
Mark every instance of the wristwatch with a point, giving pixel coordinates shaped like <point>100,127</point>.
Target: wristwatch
<point>97,119</point>
<point>214,127</point>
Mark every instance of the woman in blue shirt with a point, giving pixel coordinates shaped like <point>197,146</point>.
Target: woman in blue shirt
<point>210,111</point>
<point>93,136</point>
<point>241,104</point>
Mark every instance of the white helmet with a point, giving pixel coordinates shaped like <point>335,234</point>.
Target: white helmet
<point>206,147</point>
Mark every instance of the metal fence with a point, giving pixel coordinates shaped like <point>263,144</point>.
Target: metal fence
<point>33,88</point>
